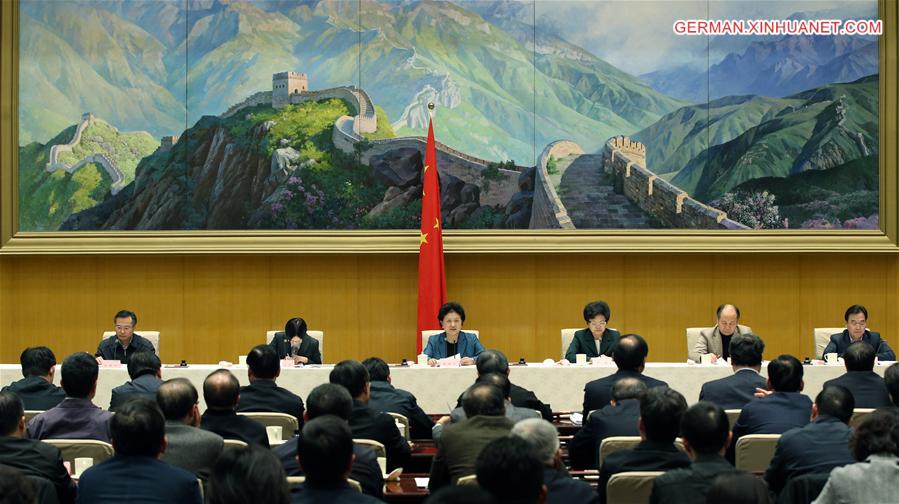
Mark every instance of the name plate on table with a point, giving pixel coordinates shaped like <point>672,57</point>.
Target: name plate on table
<point>111,363</point>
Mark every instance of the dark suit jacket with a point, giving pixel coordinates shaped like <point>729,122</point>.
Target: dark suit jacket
<point>365,468</point>
<point>598,393</point>
<point>563,489</point>
<point>145,385</point>
<point>190,448</point>
<point>386,397</point>
<point>230,425</point>
<point>584,343</point>
<point>308,347</point>
<point>111,349</point>
<point>34,458</point>
<point>460,445</point>
<point>734,391</point>
<point>36,393</point>
<point>690,484</point>
<point>137,479</point>
<point>619,420</point>
<point>867,388</point>
<point>840,341</point>
<point>266,395</point>
<point>71,419</point>
<point>818,447</point>
<point>775,414</point>
<point>344,494</point>
<point>646,456</point>
<point>524,398</point>
<point>368,423</point>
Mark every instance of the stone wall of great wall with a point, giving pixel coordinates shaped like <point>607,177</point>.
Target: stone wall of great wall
<point>547,211</point>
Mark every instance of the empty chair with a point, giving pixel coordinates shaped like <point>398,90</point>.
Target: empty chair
<point>378,447</point>
<point>633,487</point>
<point>755,451</point>
<point>82,448</point>
<point>151,336</point>
<point>288,423</point>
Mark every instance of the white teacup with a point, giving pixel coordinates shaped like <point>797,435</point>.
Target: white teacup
<point>580,359</point>
<point>274,434</point>
<point>705,358</point>
<point>82,464</point>
<point>831,358</point>
<point>423,360</point>
<point>242,360</point>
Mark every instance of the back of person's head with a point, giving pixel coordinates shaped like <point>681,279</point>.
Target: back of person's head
<point>448,308</point>
<point>483,399</point>
<point>630,352</point>
<point>247,474</point>
<point>836,401</point>
<point>541,435</point>
<point>325,450</point>
<point>859,356</point>
<point>492,361</point>
<point>627,388</point>
<point>143,363</point>
<point>11,412</point>
<point>378,370</point>
<point>597,308</point>
<point>37,361</point>
<point>785,374</point>
<point>263,362</point>
<point>661,409</point>
<point>854,310</point>
<point>738,487</point>
<point>705,427</point>
<point>352,375</point>
<point>79,374</point>
<point>138,428</point>
<point>295,327</point>
<point>329,399</point>
<point>891,379</point>
<point>221,390</point>
<point>454,494</point>
<point>746,350</point>
<point>876,434</point>
<point>176,398</point>
<point>497,380</point>
<point>511,470</point>
<point>15,487</point>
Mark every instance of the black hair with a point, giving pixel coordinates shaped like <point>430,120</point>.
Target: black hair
<point>859,356</point>
<point>37,361</point>
<point>454,494</point>
<point>448,308</point>
<point>721,308</point>
<point>785,373</point>
<point>263,362</point>
<point>248,474</point>
<point>661,409</point>
<point>176,398</point>
<point>378,370</point>
<point>483,399</point>
<point>352,375</point>
<point>738,487</point>
<point>79,374</point>
<point>498,380</point>
<point>329,399</point>
<point>142,363</point>
<point>836,401</point>
<point>746,350</point>
<point>630,352</point>
<point>126,314</point>
<point>627,388</point>
<point>704,425</point>
<point>295,327</point>
<point>138,428</point>
<point>891,379</point>
<point>11,411</point>
<point>15,487</point>
<point>597,308</point>
<point>511,470</point>
<point>855,309</point>
<point>877,433</point>
<point>492,361</point>
<point>221,390</point>
<point>325,450</point>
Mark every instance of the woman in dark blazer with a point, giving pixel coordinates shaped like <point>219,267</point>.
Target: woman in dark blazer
<point>296,344</point>
<point>597,315</point>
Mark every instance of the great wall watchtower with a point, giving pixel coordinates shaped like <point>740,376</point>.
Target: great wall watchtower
<point>285,84</point>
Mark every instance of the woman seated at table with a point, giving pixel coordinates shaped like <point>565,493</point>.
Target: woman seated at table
<point>295,344</point>
<point>596,339</point>
<point>452,340</point>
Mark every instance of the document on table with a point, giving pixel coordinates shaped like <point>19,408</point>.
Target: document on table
<point>422,482</point>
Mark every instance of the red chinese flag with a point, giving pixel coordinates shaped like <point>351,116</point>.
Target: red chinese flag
<point>431,277</point>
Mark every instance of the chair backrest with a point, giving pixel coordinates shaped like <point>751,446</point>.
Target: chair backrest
<point>294,481</point>
<point>288,423</point>
<point>152,336</point>
<point>858,414</point>
<point>231,444</point>
<point>430,332</point>
<point>44,491</point>
<point>355,485</point>
<point>376,446</point>
<point>613,444</point>
<point>567,336</point>
<point>202,490</point>
<point>470,480</point>
<point>29,414</point>
<point>82,448</point>
<point>633,487</point>
<point>803,489</point>
<point>401,419</point>
<point>822,338</point>
<point>732,416</point>
<point>755,451</point>
<point>318,335</point>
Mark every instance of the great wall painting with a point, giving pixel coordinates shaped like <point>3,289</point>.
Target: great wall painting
<point>550,114</point>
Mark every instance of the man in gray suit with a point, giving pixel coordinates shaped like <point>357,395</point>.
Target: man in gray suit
<point>189,447</point>
<point>513,413</point>
<point>716,340</point>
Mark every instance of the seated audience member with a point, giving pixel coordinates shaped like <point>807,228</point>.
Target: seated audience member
<point>27,455</point>
<point>739,487</point>
<point>511,470</point>
<point>560,487</point>
<point>453,340</point>
<point>875,477</point>
<point>716,340</point>
<point>661,410</point>
<point>457,494</point>
<point>331,399</point>
<point>295,343</point>
<point>145,371</point>
<point>76,417</point>
<point>513,413</point>
<point>596,339</point>
<point>706,436</point>
<point>819,446</point>
<point>891,380</point>
<point>630,356</point>
<point>365,421</point>
<point>188,447</point>
<point>494,361</point>
<point>221,391</point>
<point>734,391</point>
<point>386,397</point>
<point>135,472</point>
<point>15,487</point>
<point>247,475</point>
<point>867,387</point>
<point>782,410</point>
<point>618,418</point>
<point>263,394</point>
<point>856,317</point>
<point>460,444</point>
<point>36,389</point>
<point>325,452</point>
<point>125,342</point>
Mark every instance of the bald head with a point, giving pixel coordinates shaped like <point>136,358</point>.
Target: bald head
<point>221,390</point>
<point>177,398</point>
<point>627,388</point>
<point>728,316</point>
<point>483,399</point>
<point>630,352</point>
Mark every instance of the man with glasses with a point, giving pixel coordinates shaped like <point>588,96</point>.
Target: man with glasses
<point>856,318</point>
<point>716,340</point>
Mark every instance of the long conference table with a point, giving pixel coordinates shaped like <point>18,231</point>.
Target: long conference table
<point>438,388</point>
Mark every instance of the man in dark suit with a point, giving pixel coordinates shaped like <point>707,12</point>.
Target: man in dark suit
<point>188,447</point>
<point>36,389</point>
<point>125,342</point>
<point>366,422</point>
<point>618,418</point>
<point>138,436</point>
<point>263,394</point>
<point>706,435</point>
<point>596,339</point>
<point>734,391</point>
<point>510,469</point>
<point>561,488</point>
<point>386,397</point>
<point>819,446</point>
<point>891,380</point>
<point>145,371</point>
<point>856,317</point>
<point>461,443</point>
<point>494,361</point>
<point>221,390</point>
<point>295,343</point>
<point>513,413</point>
<point>867,387</point>
<point>661,410</point>
<point>31,457</point>
<point>331,399</point>
<point>630,357</point>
